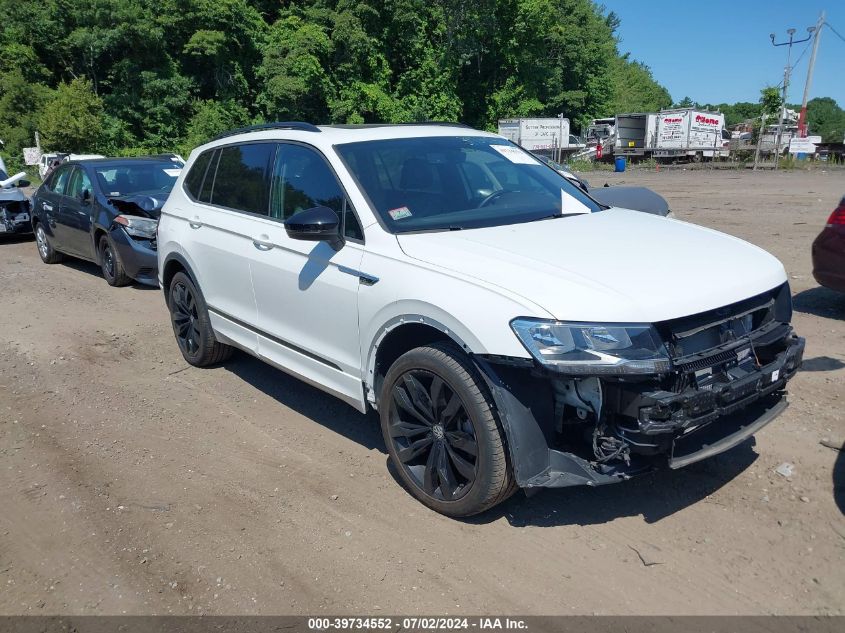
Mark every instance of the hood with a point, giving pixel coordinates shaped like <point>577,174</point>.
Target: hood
<point>139,204</point>
<point>636,198</point>
<point>616,265</point>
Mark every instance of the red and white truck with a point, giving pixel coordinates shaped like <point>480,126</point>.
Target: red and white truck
<point>682,133</point>
<point>690,133</point>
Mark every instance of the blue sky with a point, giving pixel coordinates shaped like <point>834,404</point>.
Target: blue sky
<point>719,51</point>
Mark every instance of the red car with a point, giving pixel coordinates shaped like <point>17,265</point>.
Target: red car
<point>829,251</point>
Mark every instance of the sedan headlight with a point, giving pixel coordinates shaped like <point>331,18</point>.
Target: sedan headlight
<point>594,348</point>
<point>137,226</point>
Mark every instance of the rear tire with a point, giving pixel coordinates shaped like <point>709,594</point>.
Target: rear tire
<point>113,270</point>
<point>441,431</point>
<point>191,324</point>
<point>48,254</point>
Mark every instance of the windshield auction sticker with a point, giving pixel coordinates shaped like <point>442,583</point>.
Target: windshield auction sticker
<point>400,213</point>
<point>515,155</point>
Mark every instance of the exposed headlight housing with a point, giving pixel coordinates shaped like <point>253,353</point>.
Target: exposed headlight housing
<point>594,348</point>
<point>137,226</point>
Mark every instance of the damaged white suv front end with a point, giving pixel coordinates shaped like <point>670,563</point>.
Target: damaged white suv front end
<point>511,331</point>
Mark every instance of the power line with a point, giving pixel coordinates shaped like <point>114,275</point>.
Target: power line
<point>835,32</point>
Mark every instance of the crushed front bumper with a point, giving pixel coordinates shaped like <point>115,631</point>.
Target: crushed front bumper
<point>138,256</point>
<point>707,406</point>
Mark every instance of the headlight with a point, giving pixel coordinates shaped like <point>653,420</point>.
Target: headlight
<point>594,348</point>
<point>137,226</point>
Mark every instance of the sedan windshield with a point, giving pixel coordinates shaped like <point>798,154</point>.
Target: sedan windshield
<point>451,183</point>
<point>133,178</point>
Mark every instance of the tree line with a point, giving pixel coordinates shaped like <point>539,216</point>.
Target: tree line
<point>139,76</point>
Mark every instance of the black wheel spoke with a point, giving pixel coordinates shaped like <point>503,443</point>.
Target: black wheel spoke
<point>466,470</point>
<point>463,442</point>
<point>432,436</point>
<point>445,474</point>
<point>415,449</point>
<point>451,408</point>
<point>403,401</point>
<point>429,479</point>
<point>403,428</point>
<point>419,395</point>
<point>436,391</point>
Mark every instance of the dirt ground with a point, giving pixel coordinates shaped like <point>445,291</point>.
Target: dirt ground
<point>133,483</point>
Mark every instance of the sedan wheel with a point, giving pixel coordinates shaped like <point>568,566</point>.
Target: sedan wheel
<point>45,250</point>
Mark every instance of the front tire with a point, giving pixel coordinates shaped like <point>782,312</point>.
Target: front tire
<point>441,432</point>
<point>191,324</point>
<point>48,254</point>
<point>112,267</point>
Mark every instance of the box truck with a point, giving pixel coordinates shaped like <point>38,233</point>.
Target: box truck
<point>537,134</point>
<point>690,133</point>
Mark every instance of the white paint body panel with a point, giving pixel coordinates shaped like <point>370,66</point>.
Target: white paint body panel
<point>616,266</point>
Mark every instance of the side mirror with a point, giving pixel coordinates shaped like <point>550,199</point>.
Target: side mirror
<point>319,224</point>
<point>24,183</point>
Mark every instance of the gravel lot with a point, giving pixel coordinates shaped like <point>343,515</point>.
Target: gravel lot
<point>133,483</point>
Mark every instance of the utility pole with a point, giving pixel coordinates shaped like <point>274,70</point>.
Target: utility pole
<point>802,118</point>
<point>786,72</point>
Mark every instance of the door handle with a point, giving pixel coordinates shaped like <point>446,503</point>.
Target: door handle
<point>262,243</point>
<point>195,223</point>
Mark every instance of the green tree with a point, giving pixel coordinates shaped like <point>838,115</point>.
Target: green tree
<point>770,101</point>
<point>73,119</point>
<point>826,119</point>
<point>635,90</point>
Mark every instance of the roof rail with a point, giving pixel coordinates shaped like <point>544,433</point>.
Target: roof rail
<point>353,126</point>
<point>278,125</point>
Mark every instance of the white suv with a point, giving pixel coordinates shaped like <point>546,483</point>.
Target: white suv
<point>510,331</point>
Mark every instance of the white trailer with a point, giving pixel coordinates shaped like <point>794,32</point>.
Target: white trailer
<point>690,133</point>
<point>545,135</point>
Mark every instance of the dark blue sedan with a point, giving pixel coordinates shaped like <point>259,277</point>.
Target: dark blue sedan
<point>105,211</point>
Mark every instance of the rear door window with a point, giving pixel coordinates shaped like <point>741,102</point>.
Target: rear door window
<point>243,177</point>
<point>78,183</point>
<point>59,182</point>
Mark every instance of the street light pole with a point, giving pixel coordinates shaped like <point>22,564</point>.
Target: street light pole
<point>786,72</point>
<point>802,119</point>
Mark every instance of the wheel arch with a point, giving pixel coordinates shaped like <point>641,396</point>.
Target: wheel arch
<point>401,334</point>
<point>174,263</point>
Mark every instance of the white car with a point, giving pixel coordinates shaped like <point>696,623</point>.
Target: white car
<point>510,331</point>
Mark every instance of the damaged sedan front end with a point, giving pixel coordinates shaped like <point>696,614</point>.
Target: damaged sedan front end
<point>15,205</point>
<point>600,403</point>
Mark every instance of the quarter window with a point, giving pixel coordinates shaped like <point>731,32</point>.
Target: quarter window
<point>208,183</point>
<point>193,181</point>
<point>242,178</point>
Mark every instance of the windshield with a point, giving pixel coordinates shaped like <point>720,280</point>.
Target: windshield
<point>450,183</point>
<point>132,178</point>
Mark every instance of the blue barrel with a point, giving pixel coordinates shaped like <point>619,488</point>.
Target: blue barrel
<point>620,163</point>
<point>801,156</point>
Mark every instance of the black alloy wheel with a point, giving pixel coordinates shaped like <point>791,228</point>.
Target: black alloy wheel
<point>183,310</point>
<point>433,435</point>
<point>192,325</point>
<point>442,433</point>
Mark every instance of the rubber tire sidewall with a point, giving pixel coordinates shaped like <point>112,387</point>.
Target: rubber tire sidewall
<point>120,277</point>
<point>209,351</point>
<point>53,256</point>
<point>493,483</point>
